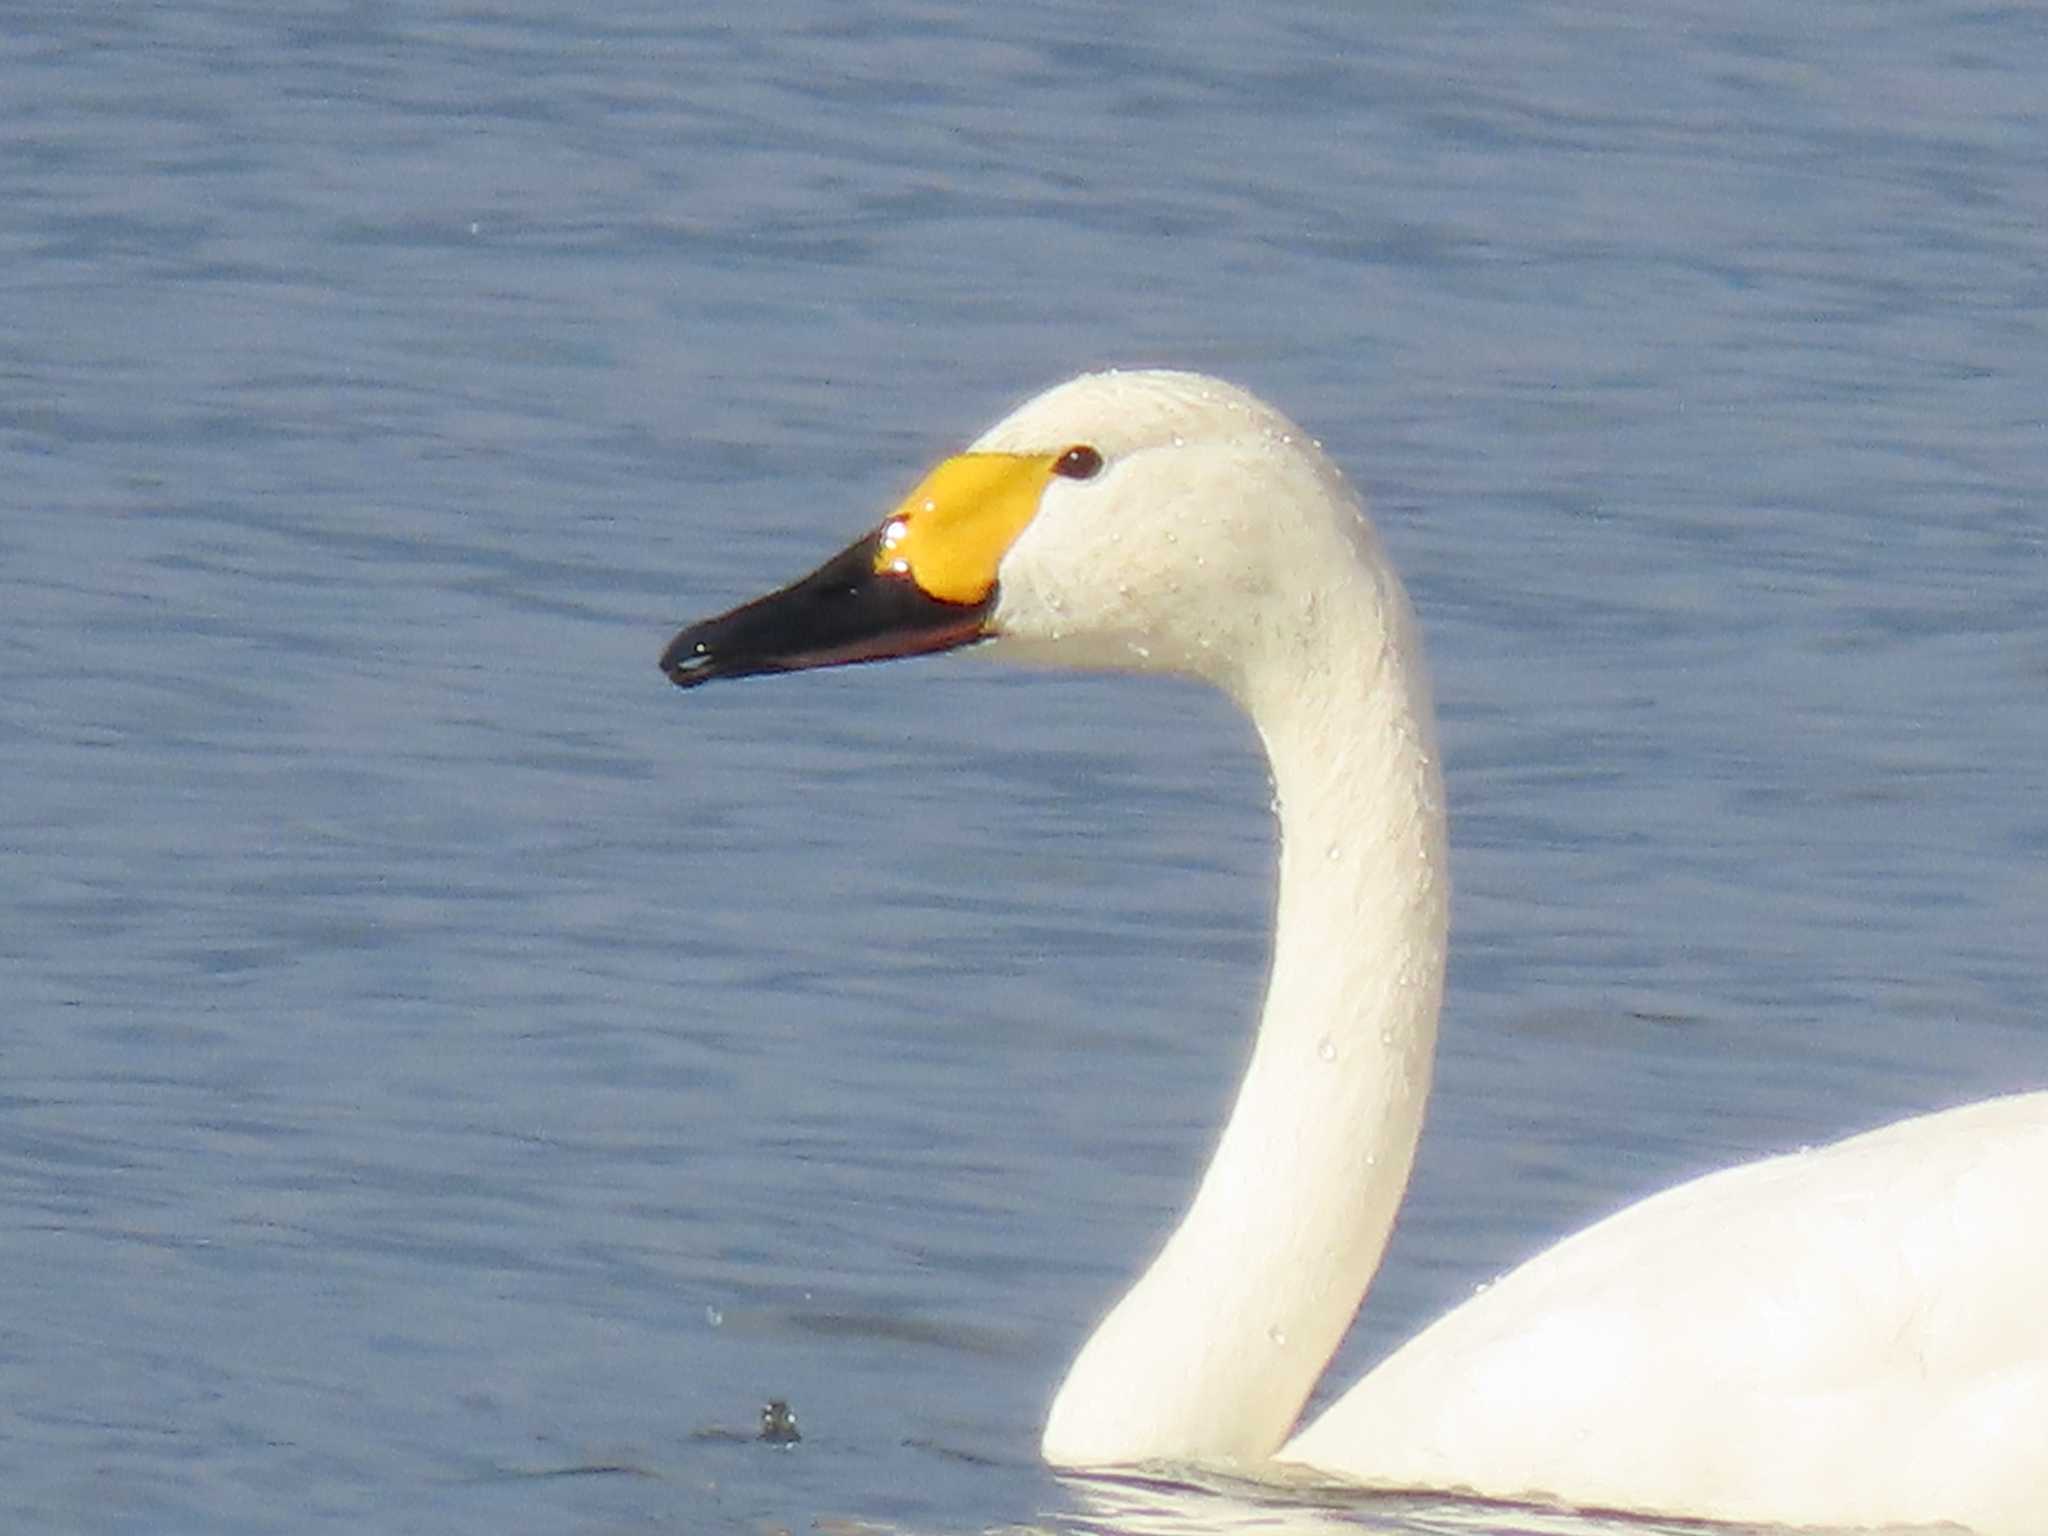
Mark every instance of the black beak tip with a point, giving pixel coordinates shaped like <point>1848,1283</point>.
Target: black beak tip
<point>843,612</point>
<point>688,661</point>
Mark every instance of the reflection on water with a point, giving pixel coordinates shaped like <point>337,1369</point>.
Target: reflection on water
<point>1214,1506</point>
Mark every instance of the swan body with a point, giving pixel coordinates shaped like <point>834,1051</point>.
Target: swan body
<point>1851,1336</point>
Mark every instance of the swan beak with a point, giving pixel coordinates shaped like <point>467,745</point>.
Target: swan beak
<point>845,611</point>
<point>923,581</point>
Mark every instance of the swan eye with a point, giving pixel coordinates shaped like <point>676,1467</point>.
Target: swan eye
<point>1079,463</point>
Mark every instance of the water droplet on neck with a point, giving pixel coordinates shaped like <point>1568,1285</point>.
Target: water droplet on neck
<point>1326,1048</point>
<point>1334,852</point>
<point>1278,1335</point>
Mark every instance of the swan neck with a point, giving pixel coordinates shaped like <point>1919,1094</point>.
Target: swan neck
<point>1213,1353</point>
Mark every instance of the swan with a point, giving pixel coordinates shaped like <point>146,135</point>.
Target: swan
<point>1849,1336</point>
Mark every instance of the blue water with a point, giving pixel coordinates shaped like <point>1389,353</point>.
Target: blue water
<point>451,1080</point>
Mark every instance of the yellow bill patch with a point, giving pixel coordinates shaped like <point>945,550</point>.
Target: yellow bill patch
<point>951,533</point>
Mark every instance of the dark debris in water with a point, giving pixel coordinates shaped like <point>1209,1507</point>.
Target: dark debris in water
<point>778,1423</point>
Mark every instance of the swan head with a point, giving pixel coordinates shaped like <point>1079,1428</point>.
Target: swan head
<point>1148,521</point>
